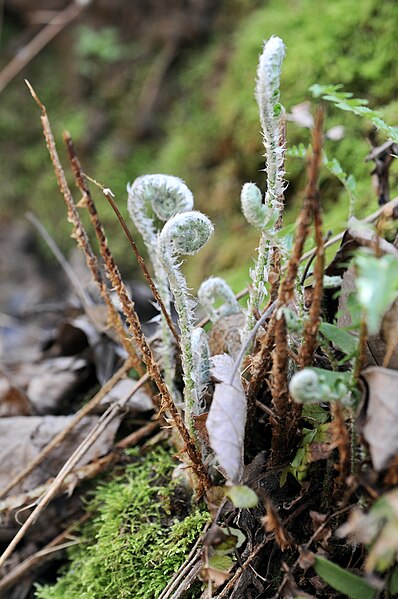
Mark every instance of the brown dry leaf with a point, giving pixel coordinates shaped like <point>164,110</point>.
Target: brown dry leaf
<point>226,420</point>
<point>216,576</point>
<point>389,334</point>
<point>381,419</point>
<point>225,335</point>
<point>22,438</point>
<point>325,533</point>
<point>272,523</point>
<point>13,401</point>
<point>141,401</point>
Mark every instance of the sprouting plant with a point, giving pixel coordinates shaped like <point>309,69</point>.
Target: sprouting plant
<point>201,366</point>
<point>185,233</point>
<point>265,215</point>
<point>215,290</point>
<point>151,198</point>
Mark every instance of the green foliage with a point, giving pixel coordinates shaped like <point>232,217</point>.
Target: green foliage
<point>346,101</point>
<point>342,580</point>
<point>241,496</point>
<point>340,337</point>
<point>134,542</point>
<point>377,286</point>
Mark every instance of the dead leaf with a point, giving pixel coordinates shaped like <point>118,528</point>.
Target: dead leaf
<point>381,418</point>
<point>23,437</point>
<point>141,401</point>
<point>225,335</point>
<point>13,401</point>
<point>272,523</point>
<point>227,418</point>
<point>54,380</point>
<point>389,334</point>
<point>216,576</point>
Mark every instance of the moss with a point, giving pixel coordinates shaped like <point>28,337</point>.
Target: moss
<point>140,533</point>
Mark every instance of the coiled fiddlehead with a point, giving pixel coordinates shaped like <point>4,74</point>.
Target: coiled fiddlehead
<point>185,233</point>
<point>161,197</point>
<point>214,289</point>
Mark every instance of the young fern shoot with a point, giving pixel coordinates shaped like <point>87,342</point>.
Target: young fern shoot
<point>213,290</point>
<point>185,233</point>
<point>265,214</point>
<point>161,197</point>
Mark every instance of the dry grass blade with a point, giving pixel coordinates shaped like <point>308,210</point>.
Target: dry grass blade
<point>81,237</point>
<point>61,436</point>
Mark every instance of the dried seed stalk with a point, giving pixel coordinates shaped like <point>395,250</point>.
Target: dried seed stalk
<point>80,235</point>
<point>287,414</point>
<point>312,323</point>
<point>74,159</point>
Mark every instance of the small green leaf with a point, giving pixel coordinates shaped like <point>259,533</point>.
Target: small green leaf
<point>343,581</point>
<point>242,496</point>
<point>221,562</point>
<point>377,286</point>
<point>340,338</point>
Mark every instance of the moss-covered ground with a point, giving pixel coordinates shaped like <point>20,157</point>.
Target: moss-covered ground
<point>141,529</point>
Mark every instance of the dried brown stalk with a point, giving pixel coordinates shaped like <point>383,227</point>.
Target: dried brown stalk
<point>153,368</point>
<point>55,441</point>
<point>81,181</point>
<point>287,414</point>
<point>340,440</point>
<point>312,322</point>
<point>81,237</point>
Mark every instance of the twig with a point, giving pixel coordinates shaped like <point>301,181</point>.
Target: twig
<point>25,55</point>
<point>80,176</point>
<point>173,586</point>
<point>55,441</point>
<point>80,235</point>
<point>70,273</point>
<point>239,571</point>
<point>340,440</point>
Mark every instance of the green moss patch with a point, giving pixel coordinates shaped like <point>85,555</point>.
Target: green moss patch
<point>142,528</point>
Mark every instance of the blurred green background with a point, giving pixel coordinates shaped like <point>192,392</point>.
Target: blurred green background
<point>168,86</point>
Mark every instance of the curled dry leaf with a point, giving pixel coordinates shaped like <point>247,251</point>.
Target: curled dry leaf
<point>22,438</point>
<point>381,418</point>
<point>227,418</point>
